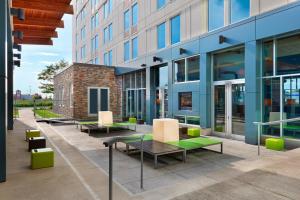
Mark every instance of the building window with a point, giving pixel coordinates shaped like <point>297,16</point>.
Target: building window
<point>82,52</point>
<point>215,14</point>
<point>134,47</point>
<point>105,35</point>
<point>110,32</point>
<point>126,20</point>
<point>94,44</point>
<point>179,71</point>
<point>160,3</point>
<point>193,120</point>
<point>126,51</point>
<point>229,65</point>
<point>107,8</point>
<point>239,10</point>
<point>187,69</point>
<point>185,101</point>
<point>110,58</point>
<point>98,100</point>
<point>94,4</point>
<point>135,14</point>
<point>193,68</point>
<point>175,29</point>
<point>82,33</point>
<point>94,21</point>
<point>161,36</point>
<point>105,58</point>
<point>96,61</point>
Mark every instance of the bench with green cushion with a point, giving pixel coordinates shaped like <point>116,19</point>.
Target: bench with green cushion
<point>194,132</point>
<point>88,122</point>
<point>42,158</point>
<point>137,137</point>
<point>32,133</point>
<point>196,143</point>
<point>275,144</point>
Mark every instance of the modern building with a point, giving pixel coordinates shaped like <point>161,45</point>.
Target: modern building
<point>220,64</point>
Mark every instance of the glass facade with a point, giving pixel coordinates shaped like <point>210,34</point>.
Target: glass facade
<point>281,86</point>
<point>239,10</point>
<point>134,95</point>
<point>134,52</point>
<point>185,101</point>
<point>161,36</point>
<point>135,14</point>
<point>175,29</point>
<point>126,51</point>
<point>215,14</point>
<point>229,65</point>
<point>160,3</point>
<point>179,71</point>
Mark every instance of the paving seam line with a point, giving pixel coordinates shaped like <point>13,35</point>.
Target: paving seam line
<point>84,183</point>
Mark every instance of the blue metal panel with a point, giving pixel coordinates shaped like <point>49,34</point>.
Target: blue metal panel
<point>205,91</point>
<point>235,35</point>
<point>252,94</point>
<point>191,47</point>
<point>280,21</point>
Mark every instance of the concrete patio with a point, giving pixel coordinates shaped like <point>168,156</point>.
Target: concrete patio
<point>81,167</point>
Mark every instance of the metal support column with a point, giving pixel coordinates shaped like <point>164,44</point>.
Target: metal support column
<point>10,68</point>
<point>3,63</point>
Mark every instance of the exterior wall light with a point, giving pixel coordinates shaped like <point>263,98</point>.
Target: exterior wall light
<point>155,58</point>
<point>182,51</point>
<point>17,63</point>
<point>18,12</point>
<point>17,55</point>
<point>222,39</point>
<point>17,46</point>
<point>18,34</point>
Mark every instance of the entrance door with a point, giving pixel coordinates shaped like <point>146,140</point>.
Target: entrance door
<point>161,102</point>
<point>229,108</point>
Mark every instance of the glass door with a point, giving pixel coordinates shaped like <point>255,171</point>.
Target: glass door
<point>229,108</point>
<point>161,102</point>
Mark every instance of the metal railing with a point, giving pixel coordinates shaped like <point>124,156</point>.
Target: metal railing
<point>109,143</point>
<point>261,124</point>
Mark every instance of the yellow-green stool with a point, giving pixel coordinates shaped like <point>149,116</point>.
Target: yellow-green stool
<point>32,133</point>
<point>194,132</point>
<point>132,120</point>
<point>42,158</point>
<point>275,144</point>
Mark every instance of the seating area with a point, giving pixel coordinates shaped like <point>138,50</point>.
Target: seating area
<point>41,157</point>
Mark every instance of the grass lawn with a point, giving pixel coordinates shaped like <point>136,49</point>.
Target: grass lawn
<point>16,113</point>
<point>44,113</point>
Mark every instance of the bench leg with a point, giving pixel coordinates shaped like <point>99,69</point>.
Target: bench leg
<point>184,156</point>
<point>222,148</point>
<point>127,148</point>
<point>89,131</point>
<point>155,161</point>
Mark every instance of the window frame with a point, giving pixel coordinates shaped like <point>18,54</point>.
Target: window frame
<point>99,99</point>
<point>171,38</point>
<point>185,70</point>
<point>157,35</point>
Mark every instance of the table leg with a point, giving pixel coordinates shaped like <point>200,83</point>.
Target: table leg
<point>155,161</point>
<point>222,148</point>
<point>127,148</point>
<point>184,156</point>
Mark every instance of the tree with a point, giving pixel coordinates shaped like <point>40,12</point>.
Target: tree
<point>47,75</point>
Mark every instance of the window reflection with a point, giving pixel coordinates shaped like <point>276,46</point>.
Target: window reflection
<point>229,65</point>
<point>185,100</point>
<point>239,10</point>
<point>215,14</point>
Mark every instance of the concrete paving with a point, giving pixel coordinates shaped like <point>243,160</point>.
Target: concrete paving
<point>82,166</point>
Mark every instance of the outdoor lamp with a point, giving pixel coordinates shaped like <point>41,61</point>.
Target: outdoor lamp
<point>222,39</point>
<point>182,51</point>
<point>18,34</point>
<point>143,65</point>
<point>155,58</point>
<point>165,130</point>
<point>17,46</point>
<point>17,63</point>
<point>18,12</point>
<point>17,55</point>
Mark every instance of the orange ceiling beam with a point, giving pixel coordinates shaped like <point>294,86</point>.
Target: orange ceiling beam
<point>38,33</point>
<point>35,21</point>
<point>34,41</point>
<point>44,5</point>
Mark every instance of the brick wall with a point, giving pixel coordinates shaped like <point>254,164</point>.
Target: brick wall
<point>83,77</point>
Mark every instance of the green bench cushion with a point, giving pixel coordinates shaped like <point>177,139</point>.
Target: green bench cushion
<point>137,137</point>
<point>195,143</point>
<point>88,123</point>
<point>275,144</point>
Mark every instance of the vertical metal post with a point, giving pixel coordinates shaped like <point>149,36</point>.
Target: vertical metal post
<point>142,162</point>
<point>258,139</point>
<point>3,100</point>
<point>110,172</point>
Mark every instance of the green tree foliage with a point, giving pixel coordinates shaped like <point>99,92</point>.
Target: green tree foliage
<point>47,75</point>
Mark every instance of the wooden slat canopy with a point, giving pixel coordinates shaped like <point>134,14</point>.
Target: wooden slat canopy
<point>42,17</point>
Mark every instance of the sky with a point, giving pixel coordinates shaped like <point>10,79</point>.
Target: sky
<point>36,57</point>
